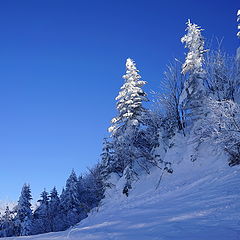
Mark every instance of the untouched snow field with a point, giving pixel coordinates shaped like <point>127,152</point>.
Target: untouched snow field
<point>199,201</point>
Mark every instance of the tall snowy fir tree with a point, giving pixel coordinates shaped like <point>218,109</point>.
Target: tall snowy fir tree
<point>126,125</point>
<point>194,92</point>
<point>23,219</point>
<point>130,100</point>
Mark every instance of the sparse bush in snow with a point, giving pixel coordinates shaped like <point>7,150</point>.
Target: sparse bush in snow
<point>222,76</point>
<point>223,126</point>
<point>167,102</point>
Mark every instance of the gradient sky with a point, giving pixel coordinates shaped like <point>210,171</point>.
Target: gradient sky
<point>61,64</point>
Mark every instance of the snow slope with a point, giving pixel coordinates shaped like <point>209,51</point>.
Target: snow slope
<point>199,201</point>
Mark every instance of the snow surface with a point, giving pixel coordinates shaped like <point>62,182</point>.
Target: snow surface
<point>199,201</point>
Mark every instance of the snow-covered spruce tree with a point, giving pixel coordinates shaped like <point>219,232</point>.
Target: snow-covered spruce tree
<point>126,125</point>
<point>130,100</point>
<point>70,204</point>
<point>61,216</point>
<point>7,226</point>
<point>106,160</point>
<point>23,218</point>
<point>194,92</point>
<point>53,210</point>
<point>41,221</point>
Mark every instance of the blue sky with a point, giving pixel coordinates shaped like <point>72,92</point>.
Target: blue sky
<point>61,64</point>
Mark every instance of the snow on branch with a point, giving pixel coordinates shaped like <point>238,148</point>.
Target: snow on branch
<point>238,20</point>
<point>194,41</point>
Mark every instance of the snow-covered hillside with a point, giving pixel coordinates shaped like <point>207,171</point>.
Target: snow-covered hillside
<point>199,201</point>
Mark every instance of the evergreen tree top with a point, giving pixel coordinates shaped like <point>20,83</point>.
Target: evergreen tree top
<point>25,196</point>
<point>238,20</point>
<point>194,41</point>
<point>71,179</point>
<point>53,193</point>
<point>7,214</point>
<point>44,197</point>
<point>130,98</point>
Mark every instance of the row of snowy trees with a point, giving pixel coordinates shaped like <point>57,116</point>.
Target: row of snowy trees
<point>53,212</point>
<point>199,97</point>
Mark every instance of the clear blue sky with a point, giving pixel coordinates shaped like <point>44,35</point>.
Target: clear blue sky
<point>61,64</point>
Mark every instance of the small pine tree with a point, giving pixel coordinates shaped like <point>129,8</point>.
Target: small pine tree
<point>70,202</point>
<point>53,210</point>
<point>23,218</point>
<point>7,226</point>
<point>71,196</point>
<point>107,159</point>
<point>41,223</point>
<point>130,176</point>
